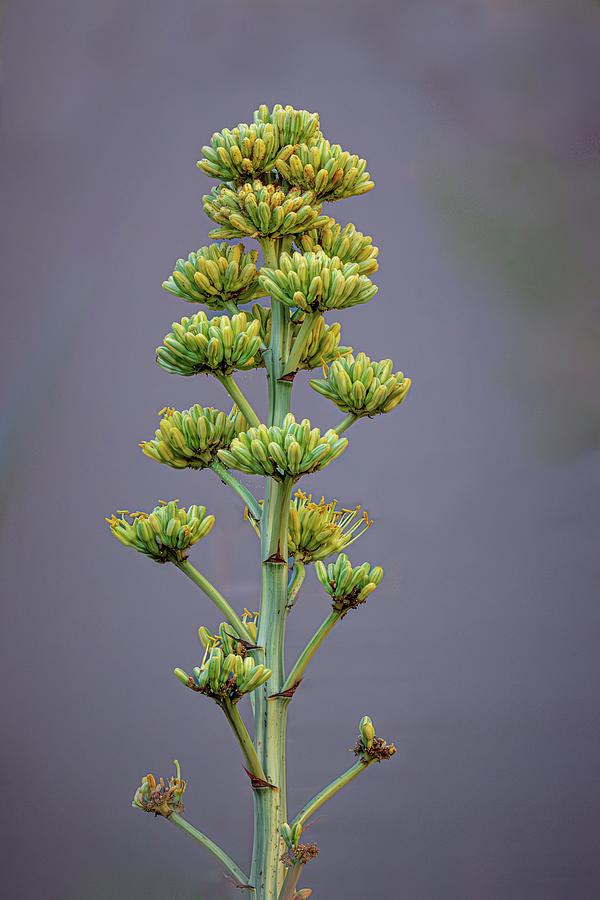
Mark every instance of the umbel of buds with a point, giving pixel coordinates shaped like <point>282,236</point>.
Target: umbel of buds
<point>348,244</point>
<point>192,438</point>
<point>326,169</point>
<point>216,276</point>
<point>362,387</point>
<point>348,587</point>
<point>315,282</point>
<point>317,530</point>
<point>216,346</point>
<point>272,176</point>
<point>165,534</point>
<point>160,797</point>
<point>288,451</point>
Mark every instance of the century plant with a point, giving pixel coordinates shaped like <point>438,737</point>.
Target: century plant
<point>274,175</point>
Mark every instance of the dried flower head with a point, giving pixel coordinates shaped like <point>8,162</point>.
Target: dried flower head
<point>160,797</point>
<point>369,747</point>
<point>302,854</point>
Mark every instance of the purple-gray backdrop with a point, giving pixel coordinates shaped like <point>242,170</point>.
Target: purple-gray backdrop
<point>479,654</point>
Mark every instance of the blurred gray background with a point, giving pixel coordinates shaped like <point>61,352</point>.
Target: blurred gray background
<point>479,653</point>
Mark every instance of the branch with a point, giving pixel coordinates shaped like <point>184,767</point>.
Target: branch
<point>345,423</point>
<point>299,345</point>
<point>331,790</point>
<point>213,594</point>
<point>245,741</point>
<point>309,651</point>
<point>296,582</point>
<point>239,399</point>
<point>213,848</point>
<point>245,493</point>
<point>288,888</point>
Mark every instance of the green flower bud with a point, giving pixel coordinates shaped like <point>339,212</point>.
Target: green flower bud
<point>316,530</point>
<point>244,152</point>
<point>322,346</point>
<point>191,438</point>
<point>160,797</point>
<point>348,586</point>
<point>292,126</point>
<point>217,346</point>
<point>226,676</point>
<point>283,452</point>
<point>165,534</point>
<point>362,387</point>
<point>348,244</point>
<point>261,210</point>
<point>326,169</point>
<point>366,731</point>
<point>315,282</point>
<point>215,276</point>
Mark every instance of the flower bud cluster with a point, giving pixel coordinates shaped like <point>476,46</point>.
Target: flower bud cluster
<point>225,675</point>
<point>316,530</point>
<point>219,345</point>
<point>292,126</point>
<point>246,151</point>
<point>370,747</point>
<point>289,451</point>
<point>165,534</point>
<point>261,210</point>
<point>348,587</point>
<point>192,438</point>
<point>160,797</point>
<point>348,244</point>
<point>215,275</point>
<point>362,387</point>
<point>327,170</point>
<point>322,346</point>
<point>315,282</point>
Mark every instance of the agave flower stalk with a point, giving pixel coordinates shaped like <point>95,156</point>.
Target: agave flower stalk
<point>275,173</point>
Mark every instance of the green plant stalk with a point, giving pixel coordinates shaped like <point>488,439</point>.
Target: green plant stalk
<point>213,848</point>
<point>213,594</point>
<point>288,888</point>
<point>239,399</point>
<point>331,790</point>
<point>342,426</point>
<point>296,582</point>
<point>254,507</point>
<point>309,651</point>
<point>245,741</point>
<point>300,342</point>
<point>270,715</point>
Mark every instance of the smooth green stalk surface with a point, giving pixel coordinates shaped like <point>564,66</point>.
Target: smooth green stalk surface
<point>213,848</point>
<point>218,599</point>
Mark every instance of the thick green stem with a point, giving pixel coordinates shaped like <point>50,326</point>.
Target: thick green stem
<point>330,791</point>
<point>299,345</point>
<point>245,741</point>
<point>296,582</point>
<point>254,507</point>
<point>270,715</point>
<point>213,594</point>
<point>345,423</point>
<point>309,651</point>
<point>239,399</point>
<point>213,848</point>
<point>288,888</point>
